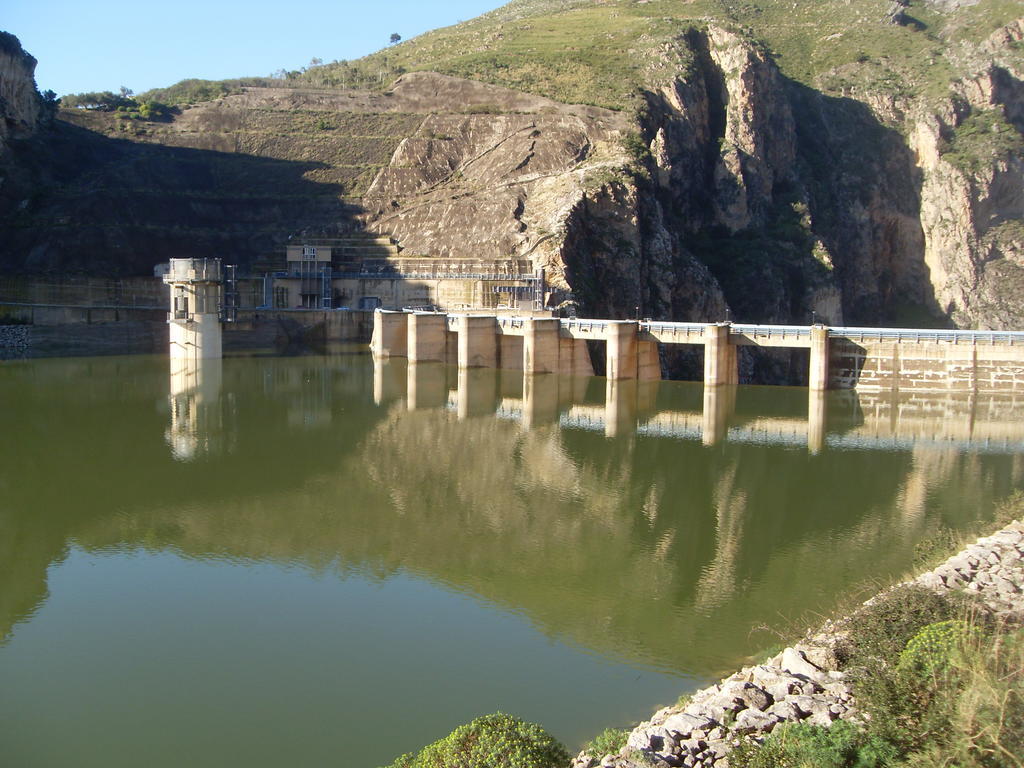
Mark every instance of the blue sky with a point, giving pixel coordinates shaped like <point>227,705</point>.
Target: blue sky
<point>101,45</point>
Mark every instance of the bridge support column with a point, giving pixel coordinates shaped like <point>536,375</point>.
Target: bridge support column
<point>622,350</point>
<point>427,338</point>
<point>541,345</point>
<point>574,358</point>
<point>648,362</point>
<point>478,341</point>
<point>390,331</point>
<point>719,356</point>
<point>817,378</point>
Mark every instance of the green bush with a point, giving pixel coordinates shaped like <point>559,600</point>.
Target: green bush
<point>799,745</point>
<point>608,742</point>
<point>884,628</point>
<point>930,651</point>
<point>491,741</point>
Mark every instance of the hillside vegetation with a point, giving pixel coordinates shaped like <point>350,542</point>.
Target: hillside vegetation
<point>604,52</point>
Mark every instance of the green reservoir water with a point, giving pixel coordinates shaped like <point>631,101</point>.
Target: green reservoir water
<point>313,561</point>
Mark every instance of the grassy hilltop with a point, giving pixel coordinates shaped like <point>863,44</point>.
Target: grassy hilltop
<point>601,52</point>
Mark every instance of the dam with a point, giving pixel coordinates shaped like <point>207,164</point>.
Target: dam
<point>869,359</point>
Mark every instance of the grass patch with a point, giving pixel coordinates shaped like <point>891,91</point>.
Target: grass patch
<point>607,742</point>
<point>982,137</point>
<point>799,745</point>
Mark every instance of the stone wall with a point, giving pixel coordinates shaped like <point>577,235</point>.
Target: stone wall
<point>81,331</point>
<point>926,366</point>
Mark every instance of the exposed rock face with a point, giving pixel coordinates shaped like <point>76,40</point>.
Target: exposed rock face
<point>971,210</point>
<point>19,102</point>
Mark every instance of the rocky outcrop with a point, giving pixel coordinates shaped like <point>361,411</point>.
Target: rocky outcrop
<point>19,101</point>
<point>803,683</point>
<point>972,191</point>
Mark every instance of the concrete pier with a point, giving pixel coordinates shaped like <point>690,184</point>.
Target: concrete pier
<point>390,334</point>
<point>817,374</point>
<point>478,341</point>
<point>427,338</point>
<point>720,365</point>
<point>622,346</point>
<point>541,345</point>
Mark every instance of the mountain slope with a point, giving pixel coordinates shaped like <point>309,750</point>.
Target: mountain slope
<point>856,162</point>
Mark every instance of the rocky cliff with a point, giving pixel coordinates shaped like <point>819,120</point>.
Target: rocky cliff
<point>19,101</point>
<point>868,173</point>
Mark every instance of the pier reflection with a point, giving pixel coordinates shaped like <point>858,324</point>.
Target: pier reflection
<point>818,420</point>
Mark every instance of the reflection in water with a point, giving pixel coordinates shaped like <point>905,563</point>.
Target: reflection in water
<point>196,411</point>
<point>635,529</point>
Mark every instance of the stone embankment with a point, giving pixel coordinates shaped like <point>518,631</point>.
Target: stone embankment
<point>14,341</point>
<point>803,683</point>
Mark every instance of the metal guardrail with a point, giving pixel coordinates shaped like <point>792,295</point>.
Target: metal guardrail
<point>585,326</point>
<point>189,270</point>
<point>511,322</point>
<point>912,334</point>
<point>385,274</point>
<point>771,331</point>
<point>688,329</point>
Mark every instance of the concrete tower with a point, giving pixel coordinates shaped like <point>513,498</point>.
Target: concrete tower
<point>196,300</point>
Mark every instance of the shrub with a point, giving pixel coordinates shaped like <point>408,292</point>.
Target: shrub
<point>799,745</point>
<point>930,651</point>
<point>884,627</point>
<point>608,742</point>
<point>492,741</point>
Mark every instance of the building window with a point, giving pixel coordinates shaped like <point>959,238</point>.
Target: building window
<point>309,253</point>
<point>281,298</point>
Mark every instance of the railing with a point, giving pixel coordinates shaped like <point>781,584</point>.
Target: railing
<point>771,331</point>
<point>910,334</point>
<point>391,274</point>
<point>584,326</point>
<point>676,329</point>
<point>188,270</point>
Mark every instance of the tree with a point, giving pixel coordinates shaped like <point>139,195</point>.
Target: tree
<point>395,37</point>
